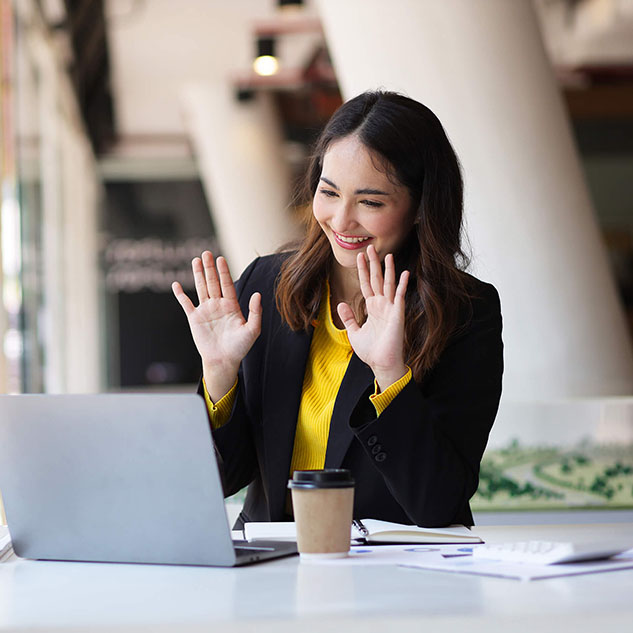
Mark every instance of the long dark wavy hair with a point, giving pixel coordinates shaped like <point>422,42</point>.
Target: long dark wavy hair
<point>413,147</point>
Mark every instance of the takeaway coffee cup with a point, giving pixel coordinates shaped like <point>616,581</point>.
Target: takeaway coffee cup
<point>323,502</point>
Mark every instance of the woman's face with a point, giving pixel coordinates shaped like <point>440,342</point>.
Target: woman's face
<point>356,204</point>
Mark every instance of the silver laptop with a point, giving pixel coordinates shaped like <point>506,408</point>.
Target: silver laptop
<point>117,478</point>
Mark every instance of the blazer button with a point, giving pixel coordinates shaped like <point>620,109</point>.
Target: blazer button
<point>376,449</point>
<point>372,440</point>
<point>381,457</point>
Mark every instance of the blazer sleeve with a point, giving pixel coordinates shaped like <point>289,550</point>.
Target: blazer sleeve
<point>428,443</point>
<point>234,444</point>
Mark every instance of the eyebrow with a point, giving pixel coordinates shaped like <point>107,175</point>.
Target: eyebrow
<point>365,191</point>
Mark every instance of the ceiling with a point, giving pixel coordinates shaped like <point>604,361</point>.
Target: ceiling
<point>134,60</point>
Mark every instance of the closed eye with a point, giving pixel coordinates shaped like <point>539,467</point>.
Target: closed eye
<point>373,203</point>
<point>328,192</point>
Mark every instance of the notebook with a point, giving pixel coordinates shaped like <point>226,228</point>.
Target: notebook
<point>128,478</point>
<point>375,531</point>
<point>370,531</point>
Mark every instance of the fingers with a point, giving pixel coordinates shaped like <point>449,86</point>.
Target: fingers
<point>199,279</point>
<point>363,276</point>
<point>254,321</point>
<point>182,298</point>
<point>375,271</point>
<point>401,290</point>
<point>226,283</point>
<point>211,276</point>
<point>348,318</point>
<point>212,280</point>
<point>371,277</point>
<point>372,282</point>
<point>390,278</point>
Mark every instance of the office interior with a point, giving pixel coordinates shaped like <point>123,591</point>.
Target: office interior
<point>137,133</point>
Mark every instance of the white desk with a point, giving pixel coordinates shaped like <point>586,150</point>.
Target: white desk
<point>284,596</point>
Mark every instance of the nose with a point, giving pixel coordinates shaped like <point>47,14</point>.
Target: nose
<point>343,218</point>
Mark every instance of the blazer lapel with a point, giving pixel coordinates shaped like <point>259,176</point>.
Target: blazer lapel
<point>287,357</point>
<point>357,379</point>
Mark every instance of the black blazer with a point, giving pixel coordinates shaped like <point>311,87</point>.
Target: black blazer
<point>417,463</point>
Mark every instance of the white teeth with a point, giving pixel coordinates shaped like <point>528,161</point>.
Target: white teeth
<point>351,240</point>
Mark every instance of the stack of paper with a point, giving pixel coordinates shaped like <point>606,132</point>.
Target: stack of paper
<point>519,571</point>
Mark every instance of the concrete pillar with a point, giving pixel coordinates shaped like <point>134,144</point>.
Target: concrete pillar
<point>239,150</point>
<point>81,275</point>
<point>482,68</point>
<point>52,244</point>
<point>69,319</point>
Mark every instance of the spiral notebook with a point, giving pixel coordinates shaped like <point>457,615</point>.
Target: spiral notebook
<point>375,532</point>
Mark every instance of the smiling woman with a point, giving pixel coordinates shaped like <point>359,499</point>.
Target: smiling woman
<point>401,146</point>
<point>352,218</point>
<point>366,346</point>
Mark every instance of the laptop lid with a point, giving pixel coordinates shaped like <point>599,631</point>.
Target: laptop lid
<point>113,477</point>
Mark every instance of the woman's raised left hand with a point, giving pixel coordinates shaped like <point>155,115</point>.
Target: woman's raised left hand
<point>379,342</point>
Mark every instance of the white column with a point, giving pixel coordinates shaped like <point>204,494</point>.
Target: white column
<point>70,312</point>
<point>6,190</point>
<point>239,149</point>
<point>481,67</point>
<point>81,276</point>
<point>53,309</point>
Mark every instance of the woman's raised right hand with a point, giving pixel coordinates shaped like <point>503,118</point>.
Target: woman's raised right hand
<point>221,334</point>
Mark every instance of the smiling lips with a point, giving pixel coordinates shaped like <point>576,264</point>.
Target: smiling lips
<point>351,242</point>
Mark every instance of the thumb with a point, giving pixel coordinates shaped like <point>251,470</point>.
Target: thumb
<point>182,298</point>
<point>254,320</point>
<point>348,318</point>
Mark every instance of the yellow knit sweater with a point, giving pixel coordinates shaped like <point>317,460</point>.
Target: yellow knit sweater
<point>330,353</point>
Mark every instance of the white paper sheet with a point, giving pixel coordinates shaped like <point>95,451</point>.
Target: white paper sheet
<point>520,571</point>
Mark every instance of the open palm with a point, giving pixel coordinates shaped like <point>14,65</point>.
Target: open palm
<point>379,342</point>
<point>220,332</point>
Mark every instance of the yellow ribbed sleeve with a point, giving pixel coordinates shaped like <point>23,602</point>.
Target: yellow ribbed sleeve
<point>220,412</point>
<point>381,400</point>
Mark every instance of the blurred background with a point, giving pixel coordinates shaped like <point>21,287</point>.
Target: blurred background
<point>137,133</point>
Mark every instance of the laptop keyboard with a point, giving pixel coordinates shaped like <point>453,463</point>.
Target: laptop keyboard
<point>247,551</point>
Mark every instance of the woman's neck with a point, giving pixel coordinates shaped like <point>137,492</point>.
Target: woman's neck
<point>344,287</point>
<point>344,284</point>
